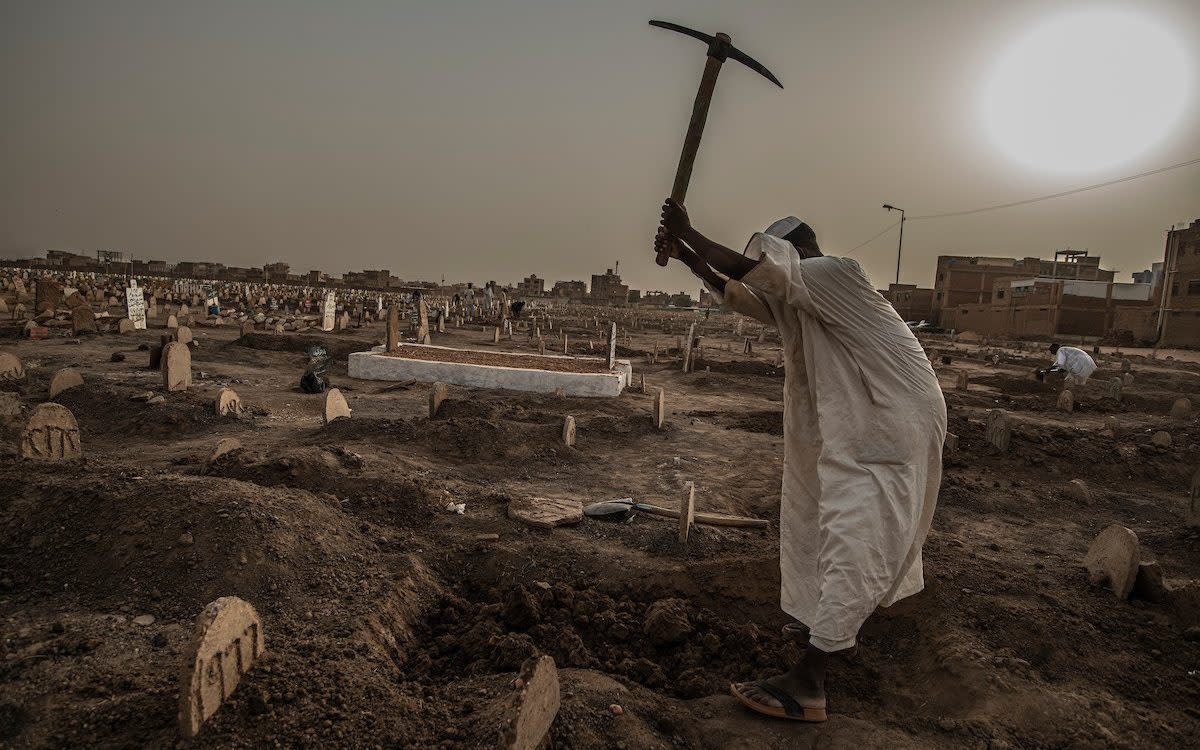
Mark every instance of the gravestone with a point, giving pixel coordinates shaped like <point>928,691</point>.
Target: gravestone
<point>687,348</point>
<point>172,321</point>
<point>183,334</point>
<point>1077,490</point>
<point>1127,378</point>
<point>328,311</point>
<point>1161,439</point>
<point>545,512</point>
<point>82,320</point>
<point>1125,366</point>
<point>437,394</point>
<point>224,446</point>
<point>422,322</point>
<point>1114,388</point>
<point>660,409</point>
<point>278,328</point>
<point>531,711</point>
<point>247,327</point>
<point>125,325</point>
<point>1181,409</point>
<point>11,368</point>
<point>568,431</point>
<point>962,381</point>
<point>50,434</point>
<point>135,308</point>
<point>176,367</point>
<point>335,405</point>
<point>344,321</point>
<point>687,512</point>
<point>1112,560</point>
<point>226,642</point>
<point>393,328</point>
<point>64,379</point>
<point>228,403</point>
<point>1112,425</point>
<point>1066,401</point>
<point>496,335</point>
<point>611,360</point>
<point>999,429</point>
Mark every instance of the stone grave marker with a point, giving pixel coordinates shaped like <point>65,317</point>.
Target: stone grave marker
<point>422,322</point>
<point>1113,559</point>
<point>11,368</point>
<point>1114,388</point>
<point>611,360</point>
<point>50,434</point>
<point>1066,401</point>
<point>1125,367</point>
<point>568,431</point>
<point>135,308</point>
<point>1181,409</point>
<point>1112,425</point>
<point>328,311</point>
<point>962,381</point>
<point>687,348</point>
<point>228,403</point>
<point>83,320</point>
<point>183,334</point>
<point>226,642</point>
<point>344,321</point>
<point>335,405</point>
<point>125,325</point>
<point>533,709</point>
<point>224,446</point>
<point>247,327</point>
<point>437,394</point>
<point>1127,378</point>
<point>64,379</point>
<point>999,429</point>
<point>393,328</point>
<point>172,321</point>
<point>687,512</point>
<point>660,408</point>
<point>1077,490</point>
<point>1161,439</point>
<point>176,367</point>
<point>545,512</point>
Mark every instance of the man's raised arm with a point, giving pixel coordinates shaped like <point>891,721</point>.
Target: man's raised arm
<point>676,222</point>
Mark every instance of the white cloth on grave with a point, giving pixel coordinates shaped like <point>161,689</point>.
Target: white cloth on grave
<point>864,424</point>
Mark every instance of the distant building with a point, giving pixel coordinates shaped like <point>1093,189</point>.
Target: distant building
<point>276,273</point>
<point>1045,307</point>
<point>965,280</point>
<point>1178,314</point>
<point>532,286</point>
<point>655,299</point>
<point>575,290</point>
<point>707,299</point>
<point>608,289</point>
<point>912,303</point>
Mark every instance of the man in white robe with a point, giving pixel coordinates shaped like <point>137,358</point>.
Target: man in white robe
<point>864,425</point>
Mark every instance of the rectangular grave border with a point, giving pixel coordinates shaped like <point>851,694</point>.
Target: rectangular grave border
<point>377,365</point>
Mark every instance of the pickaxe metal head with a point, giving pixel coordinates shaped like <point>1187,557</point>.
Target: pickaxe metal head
<point>720,46</point>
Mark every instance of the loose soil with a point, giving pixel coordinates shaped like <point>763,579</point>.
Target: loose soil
<point>391,622</point>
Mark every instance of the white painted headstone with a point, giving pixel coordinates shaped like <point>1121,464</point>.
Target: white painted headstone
<point>135,307</point>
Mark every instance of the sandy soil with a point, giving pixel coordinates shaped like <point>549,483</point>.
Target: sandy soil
<point>389,624</point>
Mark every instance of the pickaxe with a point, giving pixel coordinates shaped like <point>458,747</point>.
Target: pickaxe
<point>720,48</point>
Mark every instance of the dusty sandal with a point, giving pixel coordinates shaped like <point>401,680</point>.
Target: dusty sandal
<point>789,707</point>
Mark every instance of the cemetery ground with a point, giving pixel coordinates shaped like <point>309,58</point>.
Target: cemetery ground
<point>390,621</point>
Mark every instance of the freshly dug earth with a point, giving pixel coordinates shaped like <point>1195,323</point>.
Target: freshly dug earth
<point>496,359</point>
<point>391,622</point>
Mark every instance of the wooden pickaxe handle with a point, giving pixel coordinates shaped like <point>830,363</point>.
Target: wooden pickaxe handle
<point>691,142</point>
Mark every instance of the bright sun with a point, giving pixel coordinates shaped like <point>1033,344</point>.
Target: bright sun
<point>1085,91</point>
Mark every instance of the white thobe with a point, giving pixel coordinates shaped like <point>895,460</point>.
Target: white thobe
<point>1076,362</point>
<point>864,425</point>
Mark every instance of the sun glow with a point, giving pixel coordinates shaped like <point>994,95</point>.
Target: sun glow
<point>1087,90</point>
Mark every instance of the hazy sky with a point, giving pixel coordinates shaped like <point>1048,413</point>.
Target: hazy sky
<point>492,139</point>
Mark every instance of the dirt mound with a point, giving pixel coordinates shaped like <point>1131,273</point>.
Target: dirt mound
<point>177,542</point>
<point>106,410</point>
<point>745,367</point>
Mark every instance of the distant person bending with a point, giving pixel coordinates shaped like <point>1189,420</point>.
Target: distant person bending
<point>1076,363</point>
<point>864,424</point>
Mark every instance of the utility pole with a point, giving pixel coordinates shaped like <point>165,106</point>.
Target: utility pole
<point>900,246</point>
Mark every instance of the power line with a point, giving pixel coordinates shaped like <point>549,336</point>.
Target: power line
<point>887,229</point>
<point>1055,195</point>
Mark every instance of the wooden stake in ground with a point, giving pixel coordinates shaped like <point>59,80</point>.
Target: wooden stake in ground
<point>660,409</point>
<point>437,394</point>
<point>687,348</point>
<point>687,512</point>
<point>568,433</point>
<point>611,360</point>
